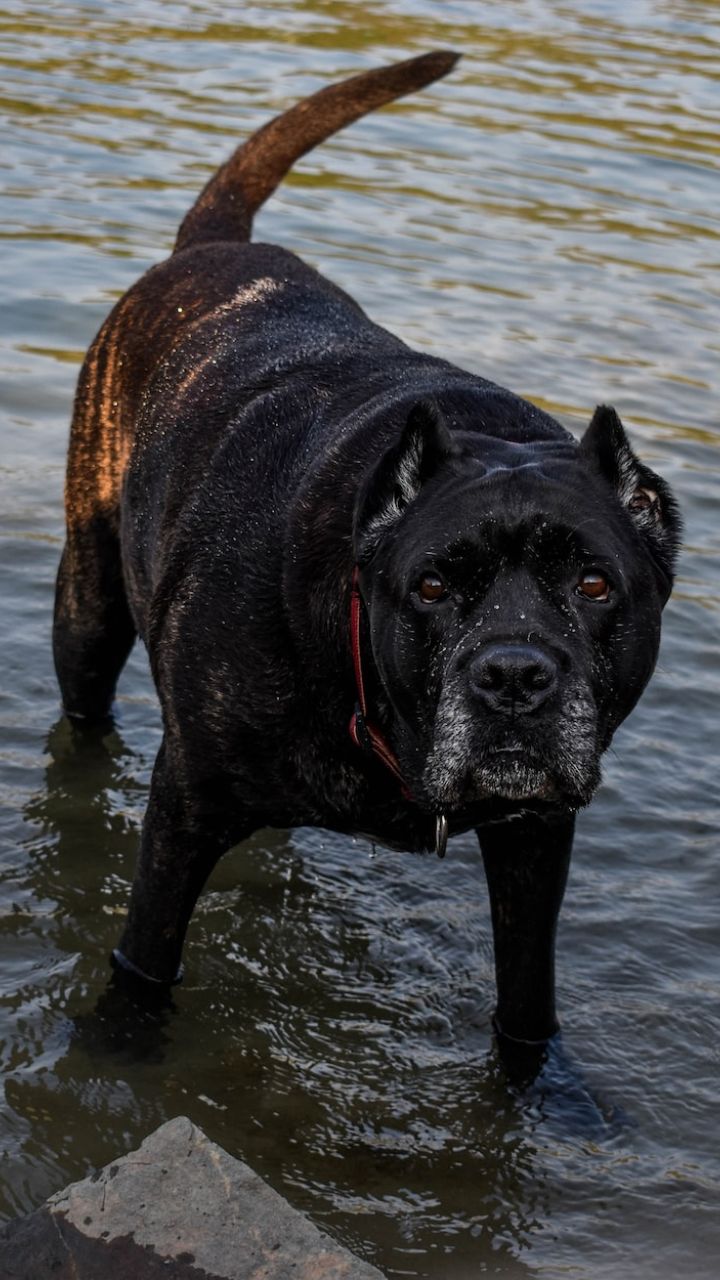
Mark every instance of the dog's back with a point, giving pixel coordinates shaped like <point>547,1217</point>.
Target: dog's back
<point>211,274</point>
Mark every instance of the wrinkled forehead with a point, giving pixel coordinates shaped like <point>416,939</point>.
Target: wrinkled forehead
<point>489,457</point>
<point>509,495</point>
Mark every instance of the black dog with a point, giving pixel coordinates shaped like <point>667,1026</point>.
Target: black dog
<point>379,594</point>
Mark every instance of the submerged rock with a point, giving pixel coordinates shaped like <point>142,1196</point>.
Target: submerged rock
<point>179,1207</point>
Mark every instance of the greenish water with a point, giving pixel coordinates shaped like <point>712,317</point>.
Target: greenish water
<point>547,217</point>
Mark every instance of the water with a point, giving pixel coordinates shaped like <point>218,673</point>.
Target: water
<point>547,217</point>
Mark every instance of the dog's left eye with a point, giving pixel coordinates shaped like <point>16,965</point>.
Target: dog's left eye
<point>593,585</point>
<point>431,588</point>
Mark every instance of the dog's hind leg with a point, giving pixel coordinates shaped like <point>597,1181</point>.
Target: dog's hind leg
<point>93,629</point>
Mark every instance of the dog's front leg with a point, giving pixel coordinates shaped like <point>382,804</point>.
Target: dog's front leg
<point>526,864</point>
<point>186,830</point>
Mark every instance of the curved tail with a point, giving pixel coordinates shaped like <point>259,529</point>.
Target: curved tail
<point>224,209</point>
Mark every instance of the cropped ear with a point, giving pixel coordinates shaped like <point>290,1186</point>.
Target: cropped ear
<point>645,495</point>
<point>398,477</point>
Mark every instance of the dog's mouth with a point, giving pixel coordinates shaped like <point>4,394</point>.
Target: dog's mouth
<point>516,773</point>
<point>509,772</point>
<point>474,761</point>
<point>505,780</point>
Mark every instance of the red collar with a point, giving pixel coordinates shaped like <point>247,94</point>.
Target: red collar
<point>366,735</point>
<point>363,733</point>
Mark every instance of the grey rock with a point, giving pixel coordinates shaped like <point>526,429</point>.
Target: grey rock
<point>179,1207</point>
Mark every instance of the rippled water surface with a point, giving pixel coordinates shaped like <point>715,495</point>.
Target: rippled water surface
<point>548,217</point>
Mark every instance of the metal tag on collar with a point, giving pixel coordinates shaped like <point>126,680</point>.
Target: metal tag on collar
<point>441,834</point>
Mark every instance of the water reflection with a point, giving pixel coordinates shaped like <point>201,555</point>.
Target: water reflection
<point>86,816</point>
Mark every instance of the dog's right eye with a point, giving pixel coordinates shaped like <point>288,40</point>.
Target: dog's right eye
<point>431,588</point>
<point>593,585</point>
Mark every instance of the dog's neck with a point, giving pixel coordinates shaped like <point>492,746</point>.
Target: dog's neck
<point>366,735</point>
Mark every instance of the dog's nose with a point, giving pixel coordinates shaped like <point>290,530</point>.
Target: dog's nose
<point>513,678</point>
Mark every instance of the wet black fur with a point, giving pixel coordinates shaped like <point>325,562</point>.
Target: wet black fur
<point>279,437</point>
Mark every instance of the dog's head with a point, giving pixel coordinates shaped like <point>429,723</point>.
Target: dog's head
<point>514,594</point>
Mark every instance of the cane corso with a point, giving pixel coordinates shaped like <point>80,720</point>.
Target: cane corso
<point>379,594</point>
